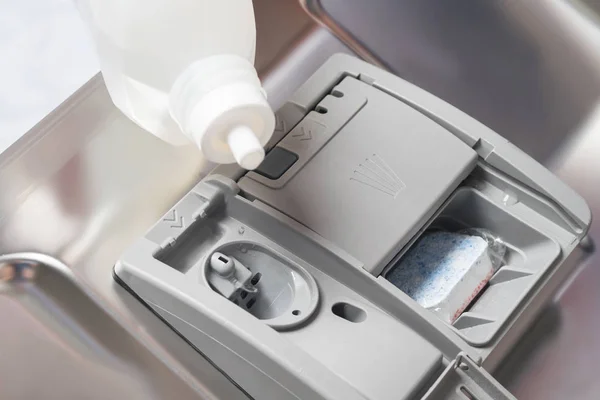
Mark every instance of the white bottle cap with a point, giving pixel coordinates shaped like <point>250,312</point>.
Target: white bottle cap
<point>219,103</point>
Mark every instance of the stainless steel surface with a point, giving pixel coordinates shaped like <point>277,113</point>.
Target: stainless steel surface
<point>85,182</point>
<point>531,71</point>
<point>80,187</point>
<point>57,330</point>
<point>524,68</point>
<point>560,357</point>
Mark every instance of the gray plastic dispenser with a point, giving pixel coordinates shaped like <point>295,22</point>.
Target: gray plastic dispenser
<point>278,275</point>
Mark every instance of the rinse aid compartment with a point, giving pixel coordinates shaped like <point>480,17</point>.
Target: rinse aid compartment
<point>284,276</point>
<point>255,298</point>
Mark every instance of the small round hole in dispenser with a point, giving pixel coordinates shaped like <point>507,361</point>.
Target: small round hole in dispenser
<point>255,279</point>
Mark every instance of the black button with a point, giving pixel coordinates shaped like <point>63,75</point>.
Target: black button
<point>276,162</point>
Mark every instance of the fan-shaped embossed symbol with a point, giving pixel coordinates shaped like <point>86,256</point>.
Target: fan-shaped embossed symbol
<point>377,174</point>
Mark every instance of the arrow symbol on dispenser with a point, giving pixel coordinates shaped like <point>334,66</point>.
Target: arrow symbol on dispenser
<point>173,217</point>
<point>304,134</point>
<point>179,224</point>
<point>279,124</point>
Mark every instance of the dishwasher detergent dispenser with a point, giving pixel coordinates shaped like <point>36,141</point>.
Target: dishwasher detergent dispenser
<point>388,247</point>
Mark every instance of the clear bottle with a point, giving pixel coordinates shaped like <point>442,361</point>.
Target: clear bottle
<point>183,70</point>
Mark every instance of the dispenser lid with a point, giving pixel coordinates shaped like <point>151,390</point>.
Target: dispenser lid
<point>370,172</point>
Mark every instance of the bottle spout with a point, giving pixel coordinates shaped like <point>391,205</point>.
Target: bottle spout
<point>219,103</point>
<point>245,147</point>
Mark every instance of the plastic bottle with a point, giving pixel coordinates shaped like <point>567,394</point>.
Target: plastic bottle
<point>183,70</point>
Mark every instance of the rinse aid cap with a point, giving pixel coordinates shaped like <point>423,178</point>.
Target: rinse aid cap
<point>219,103</point>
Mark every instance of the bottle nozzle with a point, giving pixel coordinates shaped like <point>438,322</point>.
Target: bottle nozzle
<point>245,147</point>
<point>219,103</point>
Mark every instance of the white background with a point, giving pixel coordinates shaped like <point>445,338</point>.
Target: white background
<point>45,55</point>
